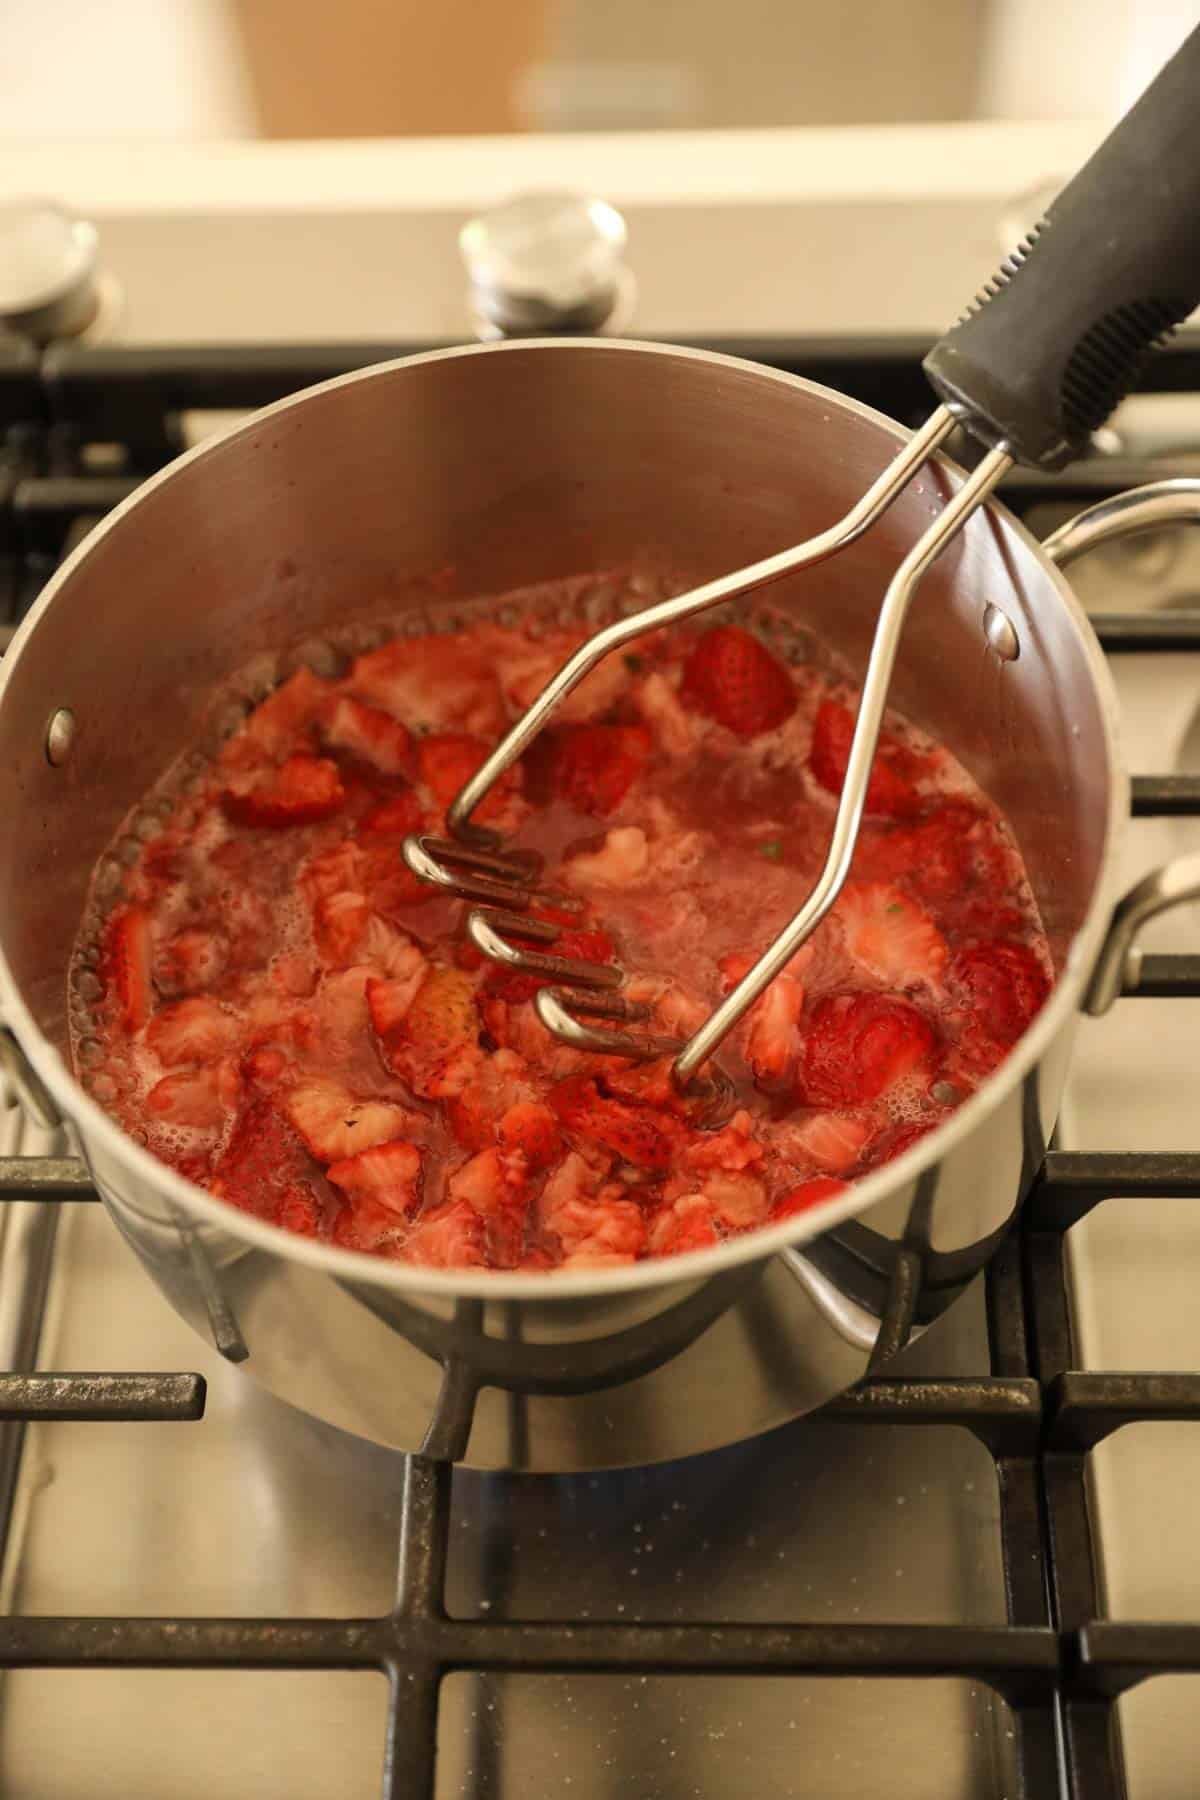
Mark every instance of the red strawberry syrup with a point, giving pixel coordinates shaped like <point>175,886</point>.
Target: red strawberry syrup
<point>266,997</point>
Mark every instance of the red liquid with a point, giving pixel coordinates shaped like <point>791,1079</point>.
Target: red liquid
<point>277,1008</point>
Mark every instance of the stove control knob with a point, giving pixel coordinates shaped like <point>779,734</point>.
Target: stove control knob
<point>48,285</point>
<point>545,263</point>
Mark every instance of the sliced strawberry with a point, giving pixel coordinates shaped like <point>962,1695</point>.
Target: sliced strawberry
<point>190,961</point>
<point>265,1170</point>
<point>474,1115</point>
<point>191,1097</point>
<point>388,1003</point>
<point>594,766</point>
<point>294,975</point>
<point>435,682</point>
<point>590,1219</point>
<point>645,1138</point>
<point>264,1067</point>
<point>363,1224</point>
<point>737,1201</point>
<point>304,790</point>
<point>396,817</point>
<point>334,1125</point>
<point>1005,986</point>
<point>773,1022</point>
<point>858,1046</point>
<point>435,1046</point>
<point>734,679</point>
<point>334,871</point>
<point>283,718</point>
<point>447,760</point>
<point>532,1129</point>
<point>833,1141</point>
<point>935,856</point>
<point>890,791</point>
<point>685,1224</point>
<point>494,1185</point>
<point>891,936</point>
<point>589,945</point>
<point>388,1175</point>
<point>450,1236</point>
<point>299,1210</point>
<point>733,1148</point>
<point>339,921</point>
<point>370,735</point>
<point>191,1031</point>
<point>388,882</point>
<point>803,1198</point>
<point>126,964</point>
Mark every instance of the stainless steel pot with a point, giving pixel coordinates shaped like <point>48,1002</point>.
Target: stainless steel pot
<point>514,463</point>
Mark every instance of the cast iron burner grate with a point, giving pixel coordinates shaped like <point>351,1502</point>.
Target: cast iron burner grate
<point>1058,1663</point>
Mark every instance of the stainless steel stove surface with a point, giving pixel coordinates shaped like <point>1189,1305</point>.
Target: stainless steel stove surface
<point>938,1587</point>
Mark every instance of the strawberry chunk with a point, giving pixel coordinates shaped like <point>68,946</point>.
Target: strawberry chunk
<point>934,856</point>
<point>191,1031</point>
<point>647,1139</point>
<point>190,961</point>
<point>833,1141</point>
<point>891,936</point>
<point>494,1186</point>
<point>339,921</point>
<point>859,1046</point>
<point>594,1225</point>
<point>302,791</point>
<point>532,1129</point>
<point>803,1198</point>
<point>334,1125</point>
<point>126,963</point>
<point>434,682</point>
<point>450,1236</point>
<point>734,679</point>
<point>733,1148</point>
<point>282,720</point>
<point>264,1170</point>
<point>447,760</point>
<point>890,790</point>
<point>396,817</point>
<point>389,1176</point>
<point>595,766</point>
<point>1005,986</point>
<point>366,733</point>
<point>434,1045</point>
<point>191,1097</point>
<point>682,1225</point>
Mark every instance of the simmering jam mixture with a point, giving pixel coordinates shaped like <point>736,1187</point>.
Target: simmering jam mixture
<point>280,1010</point>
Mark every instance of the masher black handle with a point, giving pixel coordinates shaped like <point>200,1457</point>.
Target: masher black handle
<point>1060,334</point>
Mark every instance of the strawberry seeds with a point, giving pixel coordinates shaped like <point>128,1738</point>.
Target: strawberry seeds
<point>293,1020</point>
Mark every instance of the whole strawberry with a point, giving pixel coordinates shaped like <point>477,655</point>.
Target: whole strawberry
<point>736,681</point>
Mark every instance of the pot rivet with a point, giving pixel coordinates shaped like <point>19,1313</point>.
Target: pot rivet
<point>60,736</point>
<point>1000,633</point>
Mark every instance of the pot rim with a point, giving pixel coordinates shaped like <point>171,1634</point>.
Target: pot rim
<point>93,1123</point>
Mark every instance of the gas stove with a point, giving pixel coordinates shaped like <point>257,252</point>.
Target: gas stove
<point>974,1575</point>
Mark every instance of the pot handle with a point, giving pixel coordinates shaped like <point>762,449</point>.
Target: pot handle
<point>1119,964</point>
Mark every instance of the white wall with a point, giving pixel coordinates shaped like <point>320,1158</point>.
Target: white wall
<point>120,69</point>
<point>1075,59</point>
